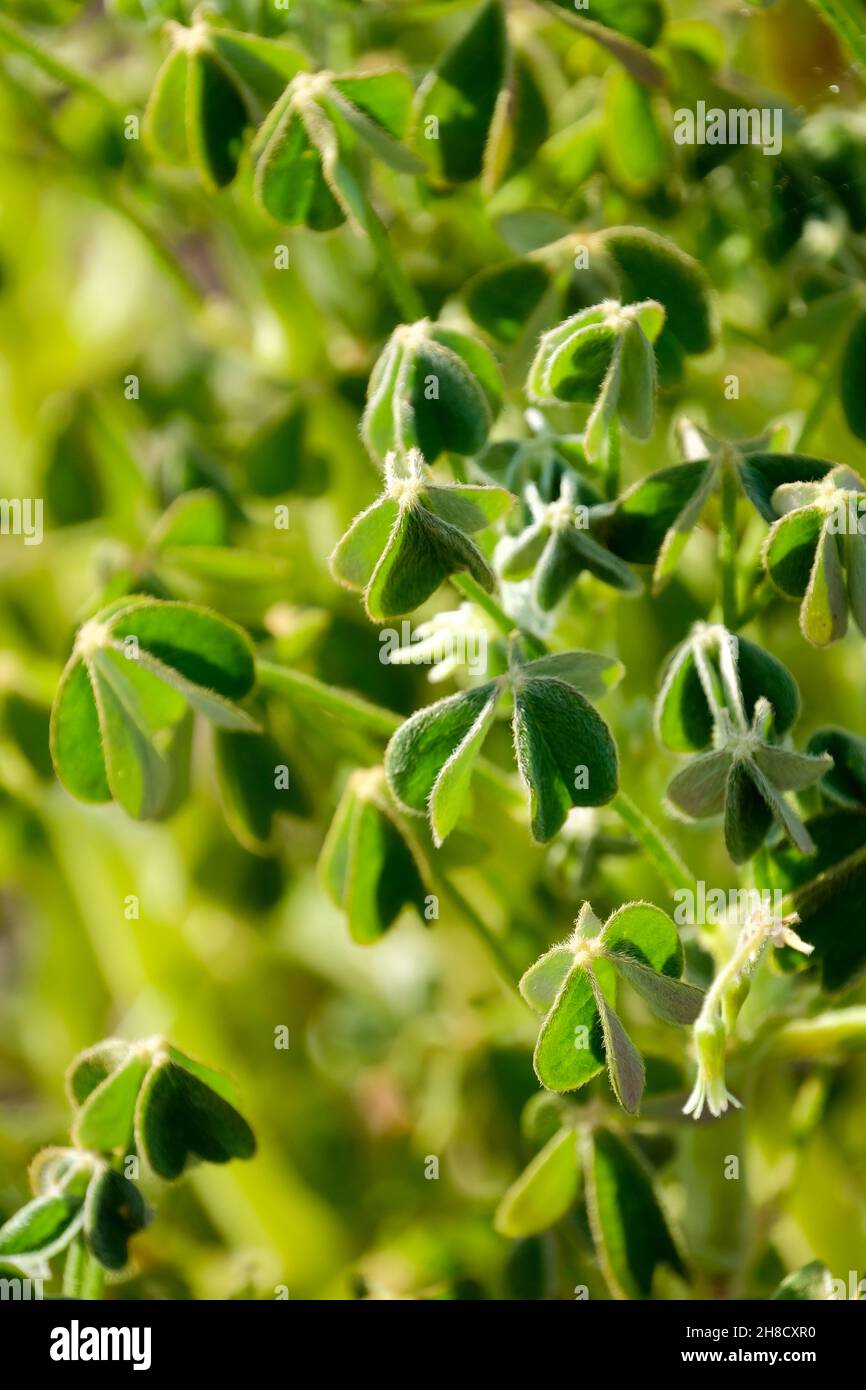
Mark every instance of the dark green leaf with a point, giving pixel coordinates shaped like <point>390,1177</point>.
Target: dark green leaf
<point>565,752</point>
<point>178,1118</point>
<point>544,1192</point>
<point>630,1230</point>
<point>114,1210</point>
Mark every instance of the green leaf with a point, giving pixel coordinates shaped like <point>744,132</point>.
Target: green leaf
<point>106,1119</point>
<point>195,518</point>
<point>845,782</point>
<point>624,1063</point>
<point>91,1067</point>
<point>790,771</point>
<point>855,561</point>
<point>42,1227</point>
<point>565,752</point>
<point>542,982</point>
<point>790,549</point>
<point>545,1190</point>
<point>683,718</point>
<point>421,553</point>
<point>670,499</point>
<point>748,816</point>
<point>164,125</point>
<point>451,787</point>
<point>569,1051</point>
<point>828,891</point>
<point>367,865</point>
<point>178,1118</point>
<point>574,366</point>
<point>216,118</point>
<point>637,394</point>
<point>289,180</point>
<point>114,1210</point>
<point>249,776</point>
<point>589,672</point>
<point>761,474</point>
<point>812,1283</point>
<point>356,555</point>
<point>671,999</point>
<point>377,107</point>
<point>629,1228</point>
<point>640,20</point>
<point>456,103</point>
<point>76,740</point>
<point>653,267</point>
<point>824,611</point>
<point>646,934</point>
<point>851,380</point>
<point>700,789</point>
<point>503,298</point>
<point>259,67</point>
<point>636,152</point>
<point>762,676</point>
<point>423,745</point>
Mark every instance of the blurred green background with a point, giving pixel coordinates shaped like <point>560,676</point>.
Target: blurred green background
<point>112,268</point>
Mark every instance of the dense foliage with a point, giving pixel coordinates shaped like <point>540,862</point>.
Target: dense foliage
<point>358,347</point>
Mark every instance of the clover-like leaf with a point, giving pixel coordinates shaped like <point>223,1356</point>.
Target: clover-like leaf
<point>565,751</point>
<point>816,552</point>
<point>114,1210</point>
<point>603,357</point>
<point>745,779</point>
<point>178,1117</point>
<point>432,389</point>
<point>369,865</point>
<point>558,546</point>
<point>545,1190</point>
<point>305,152</point>
<point>713,669</point>
<point>630,1230</point>
<point>136,670</point>
<point>106,1118</point>
<point>402,548</point>
<point>570,1049</point>
<point>213,85</point>
<point>653,267</point>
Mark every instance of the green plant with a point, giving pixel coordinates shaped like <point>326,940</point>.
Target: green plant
<point>135,1105</point>
<point>467,363</point>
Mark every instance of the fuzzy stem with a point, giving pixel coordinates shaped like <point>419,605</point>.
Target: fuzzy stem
<point>672,869</point>
<point>728,547</point>
<point>472,590</point>
<point>491,943</point>
<point>83,1276</point>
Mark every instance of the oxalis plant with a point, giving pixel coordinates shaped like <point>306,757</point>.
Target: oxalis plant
<point>478,370</point>
<point>141,1110</point>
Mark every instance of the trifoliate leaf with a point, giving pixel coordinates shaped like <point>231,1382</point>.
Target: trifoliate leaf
<point>91,1067</point>
<point>542,982</point>
<point>570,1051</point>
<point>136,669</point>
<point>432,389</point>
<point>545,1190</point>
<point>673,1000</point>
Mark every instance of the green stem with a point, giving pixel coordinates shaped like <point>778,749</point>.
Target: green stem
<point>672,869</point>
<point>472,590</point>
<point>846,17</point>
<point>15,38</point>
<point>83,1276</point>
<point>330,699</point>
<point>728,547</point>
<point>491,942</point>
<point>403,292</point>
<point>352,709</point>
